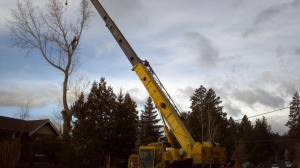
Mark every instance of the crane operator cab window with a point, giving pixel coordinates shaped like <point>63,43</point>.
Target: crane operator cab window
<point>146,157</point>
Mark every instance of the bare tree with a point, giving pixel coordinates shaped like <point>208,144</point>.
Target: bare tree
<point>48,31</point>
<point>24,111</point>
<point>57,117</point>
<point>240,152</point>
<point>213,132</point>
<point>79,83</point>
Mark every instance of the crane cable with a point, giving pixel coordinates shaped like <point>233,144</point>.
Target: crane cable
<point>265,113</point>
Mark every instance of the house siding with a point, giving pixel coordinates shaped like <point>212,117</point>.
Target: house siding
<point>46,130</point>
<point>28,131</point>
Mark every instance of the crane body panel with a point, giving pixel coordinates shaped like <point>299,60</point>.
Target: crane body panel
<point>165,108</point>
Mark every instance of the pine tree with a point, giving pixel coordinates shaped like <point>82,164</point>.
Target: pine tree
<point>84,137</point>
<point>186,115</point>
<point>294,128</point>
<point>197,116</point>
<point>150,131</point>
<point>230,138</point>
<point>262,134</point>
<point>92,127</point>
<point>217,121</point>
<point>245,131</point>
<point>280,144</point>
<point>207,119</point>
<point>244,134</point>
<point>125,123</point>
<point>101,102</point>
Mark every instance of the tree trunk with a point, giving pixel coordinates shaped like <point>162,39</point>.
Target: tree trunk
<point>66,112</point>
<point>67,116</point>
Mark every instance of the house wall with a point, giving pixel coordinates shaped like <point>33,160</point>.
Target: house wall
<point>25,148</point>
<point>46,130</point>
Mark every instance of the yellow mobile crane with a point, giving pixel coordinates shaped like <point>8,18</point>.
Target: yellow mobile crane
<point>164,154</point>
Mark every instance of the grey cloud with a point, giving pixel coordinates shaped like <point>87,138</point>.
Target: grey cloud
<point>258,96</point>
<point>15,96</point>
<point>135,94</point>
<point>130,9</point>
<point>264,78</point>
<point>187,91</point>
<point>232,111</point>
<point>237,3</point>
<point>269,99</point>
<point>297,51</point>
<point>232,62</point>
<point>249,32</point>
<point>208,54</point>
<point>121,8</point>
<point>246,96</point>
<point>279,51</point>
<point>267,15</point>
<point>288,88</point>
<point>278,123</point>
<point>238,67</point>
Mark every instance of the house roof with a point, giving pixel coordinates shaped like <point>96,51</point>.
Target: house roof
<point>30,126</point>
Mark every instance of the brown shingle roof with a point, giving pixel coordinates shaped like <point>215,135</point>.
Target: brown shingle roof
<point>20,125</point>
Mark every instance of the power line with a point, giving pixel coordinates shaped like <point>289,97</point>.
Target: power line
<point>270,140</point>
<point>265,113</point>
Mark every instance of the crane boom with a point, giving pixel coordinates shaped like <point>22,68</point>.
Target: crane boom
<point>125,46</point>
<point>191,150</point>
<point>153,85</point>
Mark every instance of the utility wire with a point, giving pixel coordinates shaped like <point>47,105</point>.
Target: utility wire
<point>265,113</point>
<point>270,140</point>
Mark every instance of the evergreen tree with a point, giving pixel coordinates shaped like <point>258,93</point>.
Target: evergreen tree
<point>185,115</point>
<point>244,135</point>
<point>86,151</point>
<point>197,116</point>
<point>294,128</point>
<point>217,121</point>
<point>150,131</point>
<point>229,140</point>
<point>92,128</point>
<point>245,131</point>
<point>262,137</point>
<point>280,144</point>
<point>105,124</point>
<point>125,123</point>
<point>101,102</point>
<point>207,119</point>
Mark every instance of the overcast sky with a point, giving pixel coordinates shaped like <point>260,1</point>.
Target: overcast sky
<point>248,51</point>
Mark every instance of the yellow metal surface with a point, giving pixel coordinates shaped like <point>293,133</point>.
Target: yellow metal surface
<point>133,161</point>
<point>201,153</point>
<point>167,111</point>
<point>204,154</point>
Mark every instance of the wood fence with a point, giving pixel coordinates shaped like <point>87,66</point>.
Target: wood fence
<point>9,152</point>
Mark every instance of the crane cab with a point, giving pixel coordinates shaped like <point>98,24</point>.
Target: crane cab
<point>150,156</point>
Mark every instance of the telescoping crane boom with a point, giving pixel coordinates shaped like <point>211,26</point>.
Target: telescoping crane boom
<point>164,154</point>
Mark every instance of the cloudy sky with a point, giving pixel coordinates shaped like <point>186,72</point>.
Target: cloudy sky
<point>248,51</point>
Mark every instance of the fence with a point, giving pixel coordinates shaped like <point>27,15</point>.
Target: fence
<point>9,152</point>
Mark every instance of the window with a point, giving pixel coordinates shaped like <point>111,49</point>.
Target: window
<point>159,156</point>
<point>146,158</point>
